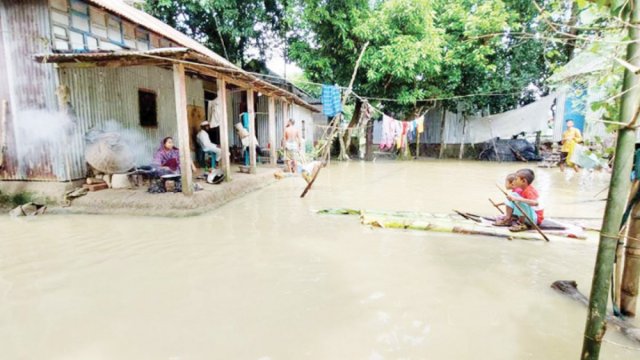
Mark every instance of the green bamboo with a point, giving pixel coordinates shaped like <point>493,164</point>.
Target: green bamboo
<point>618,191</point>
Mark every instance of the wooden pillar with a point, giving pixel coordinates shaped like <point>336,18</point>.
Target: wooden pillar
<point>631,276</point>
<point>443,124</point>
<point>272,131</point>
<point>252,131</point>
<point>285,114</point>
<point>225,163</point>
<point>180,91</point>
<point>464,128</point>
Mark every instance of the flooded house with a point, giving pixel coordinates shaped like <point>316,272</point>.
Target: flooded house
<point>72,65</point>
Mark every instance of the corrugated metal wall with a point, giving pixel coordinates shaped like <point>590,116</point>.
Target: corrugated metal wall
<point>99,95</point>
<point>31,86</point>
<point>235,98</point>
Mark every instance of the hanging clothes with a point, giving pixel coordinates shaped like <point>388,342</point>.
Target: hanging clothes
<point>388,132</point>
<point>420,122</point>
<point>411,134</point>
<point>331,105</point>
<point>214,117</point>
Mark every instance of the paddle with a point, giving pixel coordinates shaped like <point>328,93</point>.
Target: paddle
<point>496,206</point>
<point>525,214</point>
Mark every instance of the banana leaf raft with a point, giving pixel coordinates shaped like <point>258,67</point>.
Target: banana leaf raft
<point>460,223</point>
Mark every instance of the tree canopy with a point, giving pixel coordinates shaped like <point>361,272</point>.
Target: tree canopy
<point>419,50</point>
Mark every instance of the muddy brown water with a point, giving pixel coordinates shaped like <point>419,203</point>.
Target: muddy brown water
<point>265,278</point>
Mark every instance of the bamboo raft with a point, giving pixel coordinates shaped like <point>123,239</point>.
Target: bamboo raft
<point>459,223</point>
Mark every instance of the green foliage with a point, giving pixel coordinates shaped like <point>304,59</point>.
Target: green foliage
<point>470,47</point>
<point>231,28</point>
<point>11,201</point>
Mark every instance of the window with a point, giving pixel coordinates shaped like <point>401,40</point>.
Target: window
<point>142,39</point>
<point>147,105</point>
<point>79,6</point>
<point>60,18</point>
<point>114,30</point>
<point>77,40</point>
<point>59,4</point>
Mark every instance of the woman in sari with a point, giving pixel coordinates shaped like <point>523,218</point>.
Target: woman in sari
<point>167,158</point>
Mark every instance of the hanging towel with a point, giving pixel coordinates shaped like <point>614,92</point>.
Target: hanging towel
<point>420,122</point>
<point>388,132</point>
<point>331,105</point>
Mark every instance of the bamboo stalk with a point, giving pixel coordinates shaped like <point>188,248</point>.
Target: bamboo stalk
<point>535,226</point>
<point>336,122</point>
<point>618,191</point>
<point>496,206</point>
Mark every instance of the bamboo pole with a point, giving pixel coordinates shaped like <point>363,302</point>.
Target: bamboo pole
<point>618,191</point>
<point>628,279</point>
<point>619,263</point>
<point>225,162</point>
<point>180,92</point>
<point>336,121</point>
<point>496,206</point>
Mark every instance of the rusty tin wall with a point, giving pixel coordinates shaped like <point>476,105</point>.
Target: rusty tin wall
<point>100,95</point>
<point>30,87</point>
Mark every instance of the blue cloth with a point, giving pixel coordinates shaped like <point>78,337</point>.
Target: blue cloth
<point>530,212</point>
<point>331,105</point>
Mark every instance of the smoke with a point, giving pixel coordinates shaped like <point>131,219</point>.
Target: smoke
<point>127,146</point>
<point>46,140</point>
<point>42,135</point>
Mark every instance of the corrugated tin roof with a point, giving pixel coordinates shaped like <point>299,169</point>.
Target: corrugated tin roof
<point>155,25</point>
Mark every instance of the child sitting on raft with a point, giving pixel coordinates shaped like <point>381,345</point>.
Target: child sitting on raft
<point>526,196</point>
<point>510,185</point>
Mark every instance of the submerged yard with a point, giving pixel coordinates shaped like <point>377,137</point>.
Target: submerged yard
<point>264,277</point>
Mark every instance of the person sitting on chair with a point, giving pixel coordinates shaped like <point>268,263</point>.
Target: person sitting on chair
<point>205,142</point>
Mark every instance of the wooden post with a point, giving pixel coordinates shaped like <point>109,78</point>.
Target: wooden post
<point>464,127</point>
<point>418,139</point>
<point>628,262</point>
<point>4,107</point>
<point>443,124</point>
<point>368,153</point>
<point>180,92</point>
<point>285,114</point>
<point>272,131</point>
<point>631,275</point>
<point>618,191</point>
<point>225,163</point>
<point>285,119</point>
<point>252,131</point>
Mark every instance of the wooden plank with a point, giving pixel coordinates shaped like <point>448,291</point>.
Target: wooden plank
<point>180,91</point>
<point>272,131</point>
<point>252,131</point>
<point>225,164</point>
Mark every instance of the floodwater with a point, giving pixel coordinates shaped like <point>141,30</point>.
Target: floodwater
<point>266,278</point>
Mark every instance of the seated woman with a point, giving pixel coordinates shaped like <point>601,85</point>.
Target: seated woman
<point>166,160</point>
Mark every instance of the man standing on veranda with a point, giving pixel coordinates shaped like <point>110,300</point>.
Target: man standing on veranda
<point>570,138</point>
<point>292,143</point>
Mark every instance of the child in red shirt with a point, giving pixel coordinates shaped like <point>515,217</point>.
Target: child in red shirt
<point>527,200</point>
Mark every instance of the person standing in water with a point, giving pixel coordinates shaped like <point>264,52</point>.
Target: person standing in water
<point>292,143</point>
<point>570,138</point>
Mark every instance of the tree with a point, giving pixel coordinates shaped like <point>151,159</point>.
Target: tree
<point>236,29</point>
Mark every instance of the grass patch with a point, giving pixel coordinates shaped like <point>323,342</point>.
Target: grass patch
<point>11,201</point>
